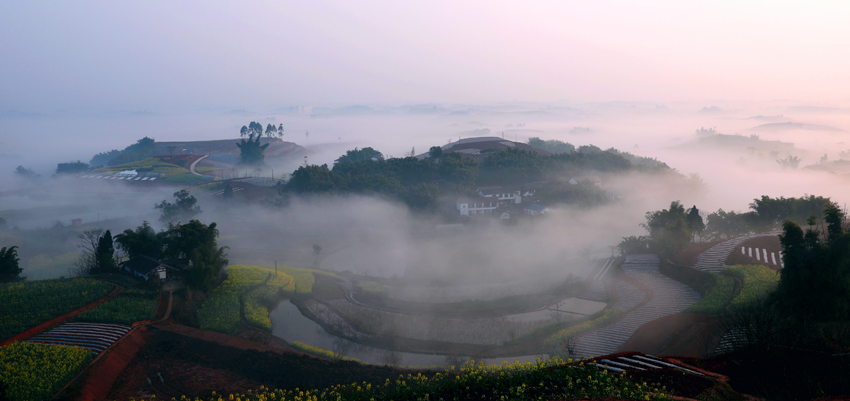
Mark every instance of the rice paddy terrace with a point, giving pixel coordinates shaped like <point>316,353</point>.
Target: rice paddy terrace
<point>661,296</point>
<point>95,337</point>
<point>712,260</point>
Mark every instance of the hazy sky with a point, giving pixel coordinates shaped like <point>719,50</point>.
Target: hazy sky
<point>150,55</point>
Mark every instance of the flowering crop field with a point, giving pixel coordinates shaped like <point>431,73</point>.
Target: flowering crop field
<point>31,372</point>
<point>544,380</point>
<point>130,307</point>
<point>28,303</point>
<point>221,310</point>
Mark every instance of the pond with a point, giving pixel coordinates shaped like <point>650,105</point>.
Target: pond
<point>289,324</point>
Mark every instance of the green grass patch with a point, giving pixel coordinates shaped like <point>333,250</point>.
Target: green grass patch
<point>544,380</point>
<point>36,372</point>
<point>221,311</point>
<point>758,281</point>
<point>134,305</point>
<point>28,303</point>
<point>716,299</point>
<point>321,352</point>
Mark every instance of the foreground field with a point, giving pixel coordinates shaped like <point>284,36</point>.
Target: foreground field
<point>35,372</point>
<point>29,303</point>
<point>132,306</point>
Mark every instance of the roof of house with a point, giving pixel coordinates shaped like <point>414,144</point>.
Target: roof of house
<point>535,207</point>
<point>142,264</point>
<point>497,190</point>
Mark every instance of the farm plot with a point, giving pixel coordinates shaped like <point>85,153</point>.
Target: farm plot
<point>134,305</point>
<point>476,292</point>
<point>258,288</point>
<point>29,303</point>
<point>36,372</point>
<point>94,337</point>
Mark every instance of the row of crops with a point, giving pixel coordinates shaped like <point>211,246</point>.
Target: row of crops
<point>259,288</point>
<point>133,305</point>
<point>30,372</point>
<point>29,303</point>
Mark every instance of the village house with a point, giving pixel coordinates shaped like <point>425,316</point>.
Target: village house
<point>503,194</point>
<point>478,206</point>
<point>148,268</point>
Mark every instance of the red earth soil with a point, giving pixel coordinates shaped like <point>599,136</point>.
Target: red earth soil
<point>101,374</point>
<point>688,256</point>
<point>678,334</point>
<point>769,243</point>
<point>61,319</point>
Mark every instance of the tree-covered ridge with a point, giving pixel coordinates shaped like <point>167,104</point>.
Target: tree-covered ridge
<point>142,149</point>
<point>419,181</point>
<point>559,147</point>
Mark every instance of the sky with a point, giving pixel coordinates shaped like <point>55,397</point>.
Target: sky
<point>158,55</point>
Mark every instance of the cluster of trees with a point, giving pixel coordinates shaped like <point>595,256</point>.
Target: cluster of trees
<point>250,150</point>
<point>9,269</point>
<point>765,214</point>
<point>670,231</point>
<point>143,149</point>
<point>24,172</point>
<point>72,167</point>
<point>815,281</point>
<point>559,147</point>
<point>192,241</point>
<point>255,128</point>
<point>419,182</point>
<point>184,208</point>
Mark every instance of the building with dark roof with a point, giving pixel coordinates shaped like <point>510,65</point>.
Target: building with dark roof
<point>148,268</point>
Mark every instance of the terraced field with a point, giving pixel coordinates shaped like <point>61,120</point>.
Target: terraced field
<point>667,297</point>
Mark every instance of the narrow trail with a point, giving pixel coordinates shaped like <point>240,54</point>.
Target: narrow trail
<point>195,163</point>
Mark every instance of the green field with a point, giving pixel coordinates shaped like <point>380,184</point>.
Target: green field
<point>28,303</point>
<point>172,172</point>
<point>758,282</point>
<point>259,288</point>
<point>36,372</point>
<point>134,305</point>
<point>716,299</point>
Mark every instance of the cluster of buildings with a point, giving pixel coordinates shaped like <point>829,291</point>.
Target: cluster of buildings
<point>503,201</point>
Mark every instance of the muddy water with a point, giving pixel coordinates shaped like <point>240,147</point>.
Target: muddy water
<point>289,324</point>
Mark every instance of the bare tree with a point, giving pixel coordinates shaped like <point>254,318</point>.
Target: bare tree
<point>87,261</point>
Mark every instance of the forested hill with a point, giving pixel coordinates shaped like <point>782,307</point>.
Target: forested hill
<point>419,181</point>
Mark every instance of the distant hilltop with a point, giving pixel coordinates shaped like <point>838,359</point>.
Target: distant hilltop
<point>479,147</point>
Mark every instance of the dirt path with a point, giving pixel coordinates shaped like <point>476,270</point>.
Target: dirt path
<point>31,332</point>
<point>195,163</point>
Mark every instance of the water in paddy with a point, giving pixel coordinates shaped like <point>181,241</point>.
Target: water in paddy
<point>289,324</point>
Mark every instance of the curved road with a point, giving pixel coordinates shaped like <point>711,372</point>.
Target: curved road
<point>194,163</point>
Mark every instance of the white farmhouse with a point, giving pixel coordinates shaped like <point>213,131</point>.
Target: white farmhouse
<point>472,207</point>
